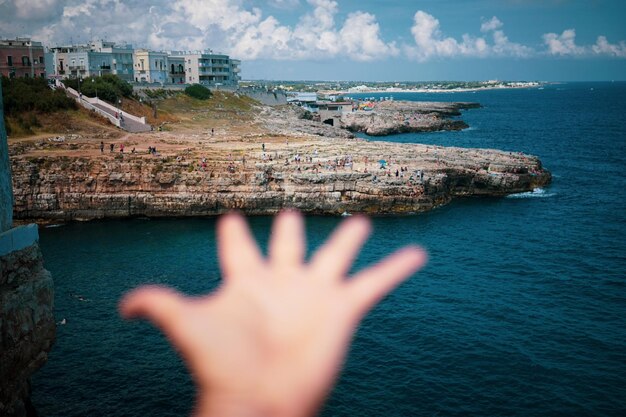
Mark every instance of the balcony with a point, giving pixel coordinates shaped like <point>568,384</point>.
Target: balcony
<point>105,67</point>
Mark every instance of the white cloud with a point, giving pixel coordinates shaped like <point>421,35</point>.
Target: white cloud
<point>360,37</point>
<point>603,47</point>
<point>492,24</point>
<point>430,42</point>
<point>247,32</point>
<point>315,36</point>
<point>563,44</point>
<point>34,9</point>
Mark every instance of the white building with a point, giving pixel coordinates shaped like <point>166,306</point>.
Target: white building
<point>142,65</point>
<point>150,66</point>
<point>79,61</point>
<point>209,69</point>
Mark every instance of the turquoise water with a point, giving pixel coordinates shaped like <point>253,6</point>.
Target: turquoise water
<point>520,312</point>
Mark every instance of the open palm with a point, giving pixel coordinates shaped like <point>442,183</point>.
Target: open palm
<point>271,339</point>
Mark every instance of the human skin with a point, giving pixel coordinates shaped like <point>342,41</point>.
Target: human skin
<point>271,340</point>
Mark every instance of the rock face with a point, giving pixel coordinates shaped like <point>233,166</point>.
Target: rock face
<point>6,195</point>
<point>392,117</point>
<point>289,120</point>
<point>66,188</point>
<point>27,327</point>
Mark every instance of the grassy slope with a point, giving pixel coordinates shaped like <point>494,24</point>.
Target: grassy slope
<point>224,111</point>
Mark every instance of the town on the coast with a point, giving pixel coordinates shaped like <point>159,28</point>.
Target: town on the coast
<point>103,130</point>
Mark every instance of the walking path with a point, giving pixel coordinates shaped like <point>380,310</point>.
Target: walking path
<point>116,116</point>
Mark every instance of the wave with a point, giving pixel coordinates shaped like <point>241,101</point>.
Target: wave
<point>536,193</point>
<point>50,226</point>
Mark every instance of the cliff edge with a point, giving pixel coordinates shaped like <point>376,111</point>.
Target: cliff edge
<point>321,176</point>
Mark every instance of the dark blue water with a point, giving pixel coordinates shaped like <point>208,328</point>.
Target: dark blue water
<point>521,310</point>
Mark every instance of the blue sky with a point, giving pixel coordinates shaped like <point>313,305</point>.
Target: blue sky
<point>385,40</point>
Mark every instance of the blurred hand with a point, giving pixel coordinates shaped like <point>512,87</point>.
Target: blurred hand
<point>271,339</point>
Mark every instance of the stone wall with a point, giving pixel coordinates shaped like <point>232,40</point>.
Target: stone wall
<point>27,328</point>
<point>6,191</point>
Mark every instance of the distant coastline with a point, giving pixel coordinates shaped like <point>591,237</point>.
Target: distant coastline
<point>342,88</point>
<point>377,90</point>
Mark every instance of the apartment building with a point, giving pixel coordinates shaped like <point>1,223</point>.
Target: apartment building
<point>209,69</point>
<point>176,69</point>
<point>121,58</point>
<point>22,57</point>
<point>150,66</point>
<point>80,61</point>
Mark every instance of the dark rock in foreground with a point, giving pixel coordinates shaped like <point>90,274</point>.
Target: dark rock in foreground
<point>26,325</point>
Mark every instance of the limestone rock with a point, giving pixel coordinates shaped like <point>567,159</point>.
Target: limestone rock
<point>51,188</point>
<point>27,328</point>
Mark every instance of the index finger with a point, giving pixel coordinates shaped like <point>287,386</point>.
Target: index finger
<point>238,252</point>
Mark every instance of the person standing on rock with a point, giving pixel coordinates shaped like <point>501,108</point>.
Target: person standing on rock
<point>121,148</point>
<point>101,147</point>
<point>263,147</point>
<point>112,147</point>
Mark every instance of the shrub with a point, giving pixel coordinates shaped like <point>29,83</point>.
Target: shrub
<point>27,94</point>
<point>198,91</point>
<point>109,87</point>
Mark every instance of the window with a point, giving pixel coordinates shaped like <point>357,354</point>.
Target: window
<point>41,60</point>
<point>10,60</point>
<point>25,61</point>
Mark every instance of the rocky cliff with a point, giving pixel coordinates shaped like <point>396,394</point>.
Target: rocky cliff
<point>27,328</point>
<point>392,117</point>
<point>342,177</point>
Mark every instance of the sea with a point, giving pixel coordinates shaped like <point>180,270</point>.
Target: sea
<point>521,310</point>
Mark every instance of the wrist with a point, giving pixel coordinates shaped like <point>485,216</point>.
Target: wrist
<point>242,406</point>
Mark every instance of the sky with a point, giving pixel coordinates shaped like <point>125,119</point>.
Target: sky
<point>366,40</point>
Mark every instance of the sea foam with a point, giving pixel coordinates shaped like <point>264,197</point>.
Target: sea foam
<point>536,193</point>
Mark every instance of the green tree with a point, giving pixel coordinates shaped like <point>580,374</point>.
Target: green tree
<point>198,91</point>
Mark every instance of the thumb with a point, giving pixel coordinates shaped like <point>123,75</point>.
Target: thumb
<point>157,304</point>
